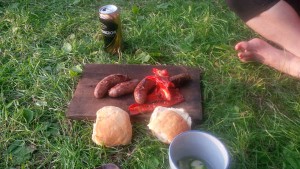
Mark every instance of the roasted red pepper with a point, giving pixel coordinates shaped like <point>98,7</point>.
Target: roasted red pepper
<point>136,108</point>
<point>165,94</point>
<point>163,84</point>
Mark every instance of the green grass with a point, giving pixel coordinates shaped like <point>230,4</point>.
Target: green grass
<point>253,109</point>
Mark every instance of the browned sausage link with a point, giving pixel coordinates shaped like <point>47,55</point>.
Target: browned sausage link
<point>108,82</point>
<point>123,88</point>
<point>180,79</point>
<point>142,89</point>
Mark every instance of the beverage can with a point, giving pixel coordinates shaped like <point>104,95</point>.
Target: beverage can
<point>111,29</point>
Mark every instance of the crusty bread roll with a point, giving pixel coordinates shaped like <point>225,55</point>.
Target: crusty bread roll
<point>112,127</point>
<point>167,123</point>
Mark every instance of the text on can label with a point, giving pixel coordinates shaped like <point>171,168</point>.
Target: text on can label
<point>109,32</point>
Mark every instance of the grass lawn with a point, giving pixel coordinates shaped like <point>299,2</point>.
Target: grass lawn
<point>253,109</point>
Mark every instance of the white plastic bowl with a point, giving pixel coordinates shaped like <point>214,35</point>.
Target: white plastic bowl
<point>200,145</point>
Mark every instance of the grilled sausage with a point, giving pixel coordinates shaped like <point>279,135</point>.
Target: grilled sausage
<point>108,82</point>
<point>123,88</point>
<point>180,79</point>
<point>142,89</point>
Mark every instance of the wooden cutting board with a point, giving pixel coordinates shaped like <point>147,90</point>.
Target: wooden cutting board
<point>84,105</point>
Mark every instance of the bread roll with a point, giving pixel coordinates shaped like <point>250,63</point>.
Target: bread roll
<point>112,127</point>
<point>167,123</point>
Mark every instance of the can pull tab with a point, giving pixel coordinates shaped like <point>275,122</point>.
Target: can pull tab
<point>107,9</point>
<point>104,10</point>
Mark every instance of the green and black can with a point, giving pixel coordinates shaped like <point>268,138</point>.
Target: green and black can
<point>111,29</point>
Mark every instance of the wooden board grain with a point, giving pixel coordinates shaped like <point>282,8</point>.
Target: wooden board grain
<point>84,105</point>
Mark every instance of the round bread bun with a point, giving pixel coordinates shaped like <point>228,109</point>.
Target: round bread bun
<point>112,127</point>
<point>167,123</point>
